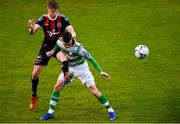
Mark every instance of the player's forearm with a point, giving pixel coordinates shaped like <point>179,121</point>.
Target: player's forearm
<point>95,64</point>
<point>71,30</point>
<point>33,29</point>
<point>36,27</point>
<point>55,48</point>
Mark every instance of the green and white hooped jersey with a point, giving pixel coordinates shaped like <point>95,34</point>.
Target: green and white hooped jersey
<point>76,54</point>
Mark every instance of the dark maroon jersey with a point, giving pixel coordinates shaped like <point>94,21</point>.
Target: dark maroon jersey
<point>53,28</point>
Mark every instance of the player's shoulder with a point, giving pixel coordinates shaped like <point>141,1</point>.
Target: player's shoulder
<point>63,16</point>
<point>59,41</point>
<point>79,46</point>
<point>42,17</point>
<point>77,43</point>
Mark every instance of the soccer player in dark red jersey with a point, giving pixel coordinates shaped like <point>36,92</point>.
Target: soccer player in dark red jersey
<point>54,25</point>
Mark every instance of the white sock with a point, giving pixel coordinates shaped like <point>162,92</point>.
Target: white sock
<point>110,110</point>
<point>50,111</point>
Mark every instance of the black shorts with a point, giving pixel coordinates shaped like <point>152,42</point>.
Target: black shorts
<point>42,59</point>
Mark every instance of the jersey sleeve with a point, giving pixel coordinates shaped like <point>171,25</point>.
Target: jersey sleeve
<point>95,64</point>
<point>57,46</point>
<point>40,21</point>
<point>83,52</point>
<point>65,21</point>
<point>58,42</point>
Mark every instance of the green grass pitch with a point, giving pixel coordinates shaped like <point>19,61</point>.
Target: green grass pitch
<point>139,90</point>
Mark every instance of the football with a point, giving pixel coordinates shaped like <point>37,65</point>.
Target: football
<point>141,51</point>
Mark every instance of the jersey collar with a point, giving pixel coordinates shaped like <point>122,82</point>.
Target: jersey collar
<point>51,18</point>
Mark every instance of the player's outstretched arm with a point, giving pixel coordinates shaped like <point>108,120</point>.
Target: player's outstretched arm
<point>32,26</point>
<point>51,52</point>
<point>98,68</point>
<point>83,52</point>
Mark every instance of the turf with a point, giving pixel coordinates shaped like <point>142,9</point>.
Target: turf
<point>139,90</point>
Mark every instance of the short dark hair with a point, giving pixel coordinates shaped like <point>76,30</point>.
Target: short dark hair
<point>52,4</point>
<point>67,36</point>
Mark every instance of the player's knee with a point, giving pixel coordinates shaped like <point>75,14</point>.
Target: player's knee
<point>96,93</point>
<point>35,75</point>
<point>58,87</point>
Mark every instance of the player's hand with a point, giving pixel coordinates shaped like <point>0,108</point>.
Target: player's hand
<point>68,77</point>
<point>107,76</point>
<point>31,25</point>
<point>49,53</point>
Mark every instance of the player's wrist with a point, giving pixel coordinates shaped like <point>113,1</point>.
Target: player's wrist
<point>53,51</point>
<point>101,72</point>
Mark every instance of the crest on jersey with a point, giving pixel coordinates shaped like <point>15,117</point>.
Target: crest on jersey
<point>59,25</point>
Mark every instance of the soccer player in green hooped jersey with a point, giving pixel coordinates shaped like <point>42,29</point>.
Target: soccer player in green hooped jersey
<point>78,67</point>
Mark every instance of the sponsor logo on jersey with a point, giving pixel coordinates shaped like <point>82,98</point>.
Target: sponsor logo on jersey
<point>51,33</point>
<point>85,53</point>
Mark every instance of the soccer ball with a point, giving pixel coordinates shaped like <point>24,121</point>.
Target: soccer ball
<point>141,51</point>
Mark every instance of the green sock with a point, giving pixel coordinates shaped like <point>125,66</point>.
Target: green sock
<point>103,100</point>
<point>53,101</point>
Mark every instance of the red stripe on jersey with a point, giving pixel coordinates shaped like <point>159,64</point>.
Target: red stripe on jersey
<point>59,24</point>
<point>46,24</point>
<point>52,25</point>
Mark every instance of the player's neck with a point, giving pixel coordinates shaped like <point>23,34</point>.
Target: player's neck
<point>52,18</point>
